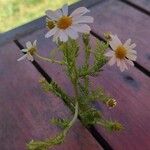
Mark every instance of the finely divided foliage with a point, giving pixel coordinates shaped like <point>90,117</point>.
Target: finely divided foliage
<point>65,30</point>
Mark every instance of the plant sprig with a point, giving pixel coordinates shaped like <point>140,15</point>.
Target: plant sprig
<point>81,103</point>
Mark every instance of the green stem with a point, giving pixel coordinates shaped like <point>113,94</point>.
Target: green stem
<point>74,80</point>
<point>87,56</point>
<point>74,118</point>
<point>101,123</point>
<point>49,60</point>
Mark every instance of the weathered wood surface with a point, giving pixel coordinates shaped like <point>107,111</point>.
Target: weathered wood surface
<point>145,4</point>
<point>25,110</point>
<point>131,89</point>
<point>127,22</point>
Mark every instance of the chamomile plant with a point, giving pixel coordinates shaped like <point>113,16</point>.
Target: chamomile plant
<point>66,29</point>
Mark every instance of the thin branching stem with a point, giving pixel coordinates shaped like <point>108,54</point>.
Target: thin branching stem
<point>74,118</point>
<point>49,60</point>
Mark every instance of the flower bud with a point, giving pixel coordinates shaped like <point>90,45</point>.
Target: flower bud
<point>107,36</point>
<point>111,103</point>
<point>49,24</point>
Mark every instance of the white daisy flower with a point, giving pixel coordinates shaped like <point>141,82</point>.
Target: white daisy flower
<point>122,54</point>
<point>62,26</point>
<point>29,51</point>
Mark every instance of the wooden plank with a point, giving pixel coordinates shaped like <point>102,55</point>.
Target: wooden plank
<point>131,90</point>
<point>127,22</point>
<point>145,4</point>
<point>39,23</point>
<point>25,110</point>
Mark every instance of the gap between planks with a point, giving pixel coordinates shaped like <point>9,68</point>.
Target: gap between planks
<point>141,9</point>
<point>92,130</point>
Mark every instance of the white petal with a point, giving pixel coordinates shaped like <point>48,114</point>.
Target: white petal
<point>109,53</point>
<point>132,52</point>
<point>118,62</point>
<point>112,61</point>
<point>115,42</point>
<point>72,33</point>
<point>51,32</point>
<point>22,58</point>
<point>82,28</point>
<point>130,62</point>
<point>125,66</point>
<point>58,13</point>
<point>131,57</point>
<point>65,10</point>
<point>132,46</point>
<point>51,14</point>
<point>34,43</point>
<point>128,42</point>
<point>29,45</point>
<point>83,19</point>
<point>24,50</point>
<point>122,67</point>
<point>30,57</point>
<point>79,11</point>
<point>63,36</point>
<point>55,37</point>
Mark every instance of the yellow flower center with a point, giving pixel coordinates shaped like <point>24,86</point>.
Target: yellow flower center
<point>120,52</point>
<point>32,50</point>
<point>50,24</point>
<point>64,22</point>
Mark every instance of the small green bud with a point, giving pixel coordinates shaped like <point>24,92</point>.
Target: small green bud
<point>50,24</point>
<point>111,103</point>
<point>107,36</point>
<point>86,39</point>
<point>32,50</point>
<point>115,126</point>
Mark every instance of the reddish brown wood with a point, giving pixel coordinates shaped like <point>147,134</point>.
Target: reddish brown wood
<point>127,22</point>
<point>131,89</point>
<point>25,110</point>
<point>142,3</point>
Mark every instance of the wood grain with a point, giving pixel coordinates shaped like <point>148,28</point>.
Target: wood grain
<point>126,22</point>
<point>25,110</point>
<point>131,89</point>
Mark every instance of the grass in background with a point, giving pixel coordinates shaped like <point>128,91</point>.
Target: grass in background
<point>17,12</point>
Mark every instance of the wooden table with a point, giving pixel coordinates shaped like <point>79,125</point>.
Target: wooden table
<point>25,110</point>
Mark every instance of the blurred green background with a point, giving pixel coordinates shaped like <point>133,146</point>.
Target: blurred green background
<point>17,12</point>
